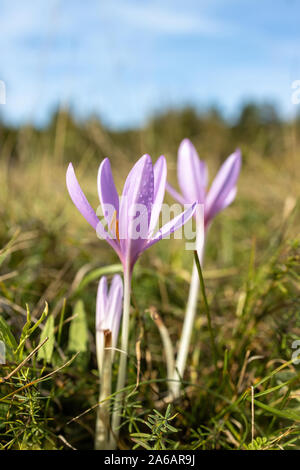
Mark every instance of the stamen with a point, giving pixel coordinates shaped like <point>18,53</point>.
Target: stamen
<point>114,225</point>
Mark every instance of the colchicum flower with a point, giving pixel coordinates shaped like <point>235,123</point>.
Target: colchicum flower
<point>130,223</point>
<point>130,230</point>
<point>108,314</point>
<point>192,179</point>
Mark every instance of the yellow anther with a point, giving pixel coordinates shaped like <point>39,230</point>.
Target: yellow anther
<point>114,225</point>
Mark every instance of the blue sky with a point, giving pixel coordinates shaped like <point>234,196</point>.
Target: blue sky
<point>127,59</point>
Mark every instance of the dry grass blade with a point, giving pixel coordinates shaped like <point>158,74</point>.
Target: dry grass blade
<point>7,377</point>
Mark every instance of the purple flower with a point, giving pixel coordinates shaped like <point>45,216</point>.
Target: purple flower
<point>130,223</point>
<point>192,178</point>
<point>108,313</point>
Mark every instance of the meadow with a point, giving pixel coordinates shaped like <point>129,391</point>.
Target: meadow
<point>51,262</point>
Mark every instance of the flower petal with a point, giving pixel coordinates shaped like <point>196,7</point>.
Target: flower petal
<point>115,307</point>
<point>191,173</point>
<point>79,198</point>
<point>173,225</point>
<point>108,194</point>
<point>85,208</point>
<point>139,186</point>
<point>160,177</point>
<point>101,304</point>
<point>177,196</point>
<point>136,205</point>
<point>220,191</point>
<point>229,198</point>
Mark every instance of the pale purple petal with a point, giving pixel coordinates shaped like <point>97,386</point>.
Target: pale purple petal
<point>138,193</point>
<point>108,194</point>
<point>85,208</point>
<point>115,307</point>
<point>178,197</point>
<point>191,173</point>
<point>139,186</point>
<point>173,225</point>
<point>222,186</point>
<point>229,198</point>
<point>160,177</point>
<point>101,304</point>
<point>79,198</point>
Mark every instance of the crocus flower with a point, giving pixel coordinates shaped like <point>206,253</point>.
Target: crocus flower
<point>108,313</point>
<point>129,229</point>
<point>143,195</point>
<point>192,179</point>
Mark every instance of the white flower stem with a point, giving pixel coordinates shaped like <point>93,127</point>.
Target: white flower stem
<point>116,416</point>
<point>102,422</point>
<point>187,329</point>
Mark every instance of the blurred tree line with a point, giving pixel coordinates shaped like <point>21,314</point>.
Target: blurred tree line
<point>257,127</point>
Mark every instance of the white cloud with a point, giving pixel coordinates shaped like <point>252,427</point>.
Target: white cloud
<point>175,18</point>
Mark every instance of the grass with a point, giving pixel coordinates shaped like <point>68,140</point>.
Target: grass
<point>51,260</point>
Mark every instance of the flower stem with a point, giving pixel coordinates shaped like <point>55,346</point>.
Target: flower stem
<point>186,333</point>
<point>116,416</point>
<point>191,307</point>
<point>102,423</point>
